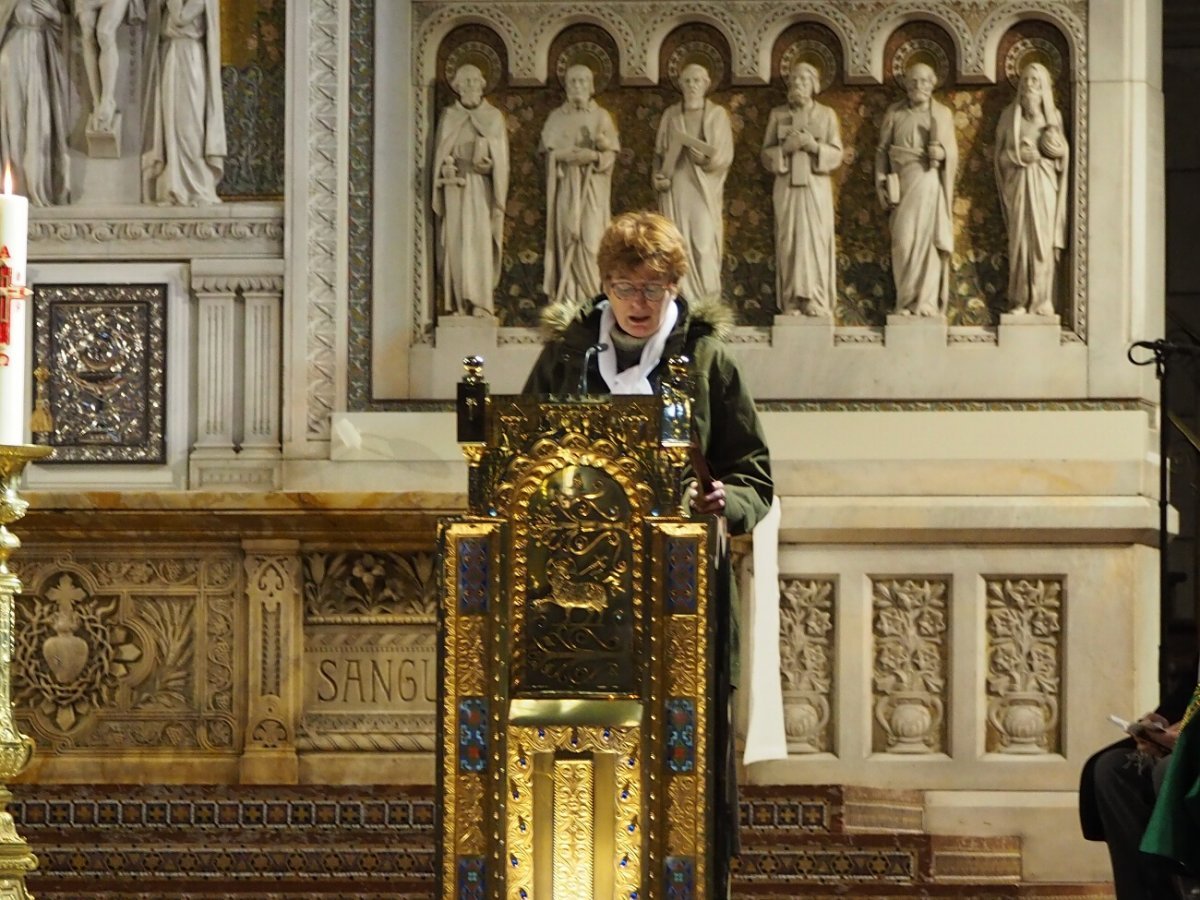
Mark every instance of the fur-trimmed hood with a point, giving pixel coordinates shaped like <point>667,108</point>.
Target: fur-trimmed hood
<point>560,318</point>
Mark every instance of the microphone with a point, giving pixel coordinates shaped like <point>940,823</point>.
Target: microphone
<point>598,347</point>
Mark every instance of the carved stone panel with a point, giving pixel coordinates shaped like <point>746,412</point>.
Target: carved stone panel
<point>370,651</point>
<point>909,624</point>
<point>122,647</point>
<point>807,641</point>
<point>1024,663</point>
<point>370,687</point>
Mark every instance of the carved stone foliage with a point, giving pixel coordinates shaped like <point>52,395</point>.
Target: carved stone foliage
<point>910,661</point>
<point>124,648</point>
<point>806,636</point>
<point>378,585</point>
<point>156,233</point>
<point>1024,655</point>
<point>105,347</point>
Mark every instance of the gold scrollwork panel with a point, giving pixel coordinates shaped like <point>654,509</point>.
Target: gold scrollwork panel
<point>574,812</point>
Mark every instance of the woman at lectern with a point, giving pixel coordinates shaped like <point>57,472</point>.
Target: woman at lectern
<point>624,338</point>
<point>619,343</point>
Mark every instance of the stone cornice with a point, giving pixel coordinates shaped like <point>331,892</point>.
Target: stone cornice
<point>231,230</point>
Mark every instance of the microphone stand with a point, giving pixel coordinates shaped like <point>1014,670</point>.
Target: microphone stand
<point>1158,353</point>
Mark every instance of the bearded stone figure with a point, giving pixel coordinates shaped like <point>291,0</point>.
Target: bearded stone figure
<point>915,167</point>
<point>692,154</point>
<point>580,142</point>
<point>470,189</point>
<point>1032,158</point>
<point>802,147</point>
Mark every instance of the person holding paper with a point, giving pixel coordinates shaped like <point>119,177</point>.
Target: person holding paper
<point>620,343</point>
<point>802,147</point>
<point>1117,793</point>
<point>470,190</point>
<point>692,155</point>
<point>915,166</point>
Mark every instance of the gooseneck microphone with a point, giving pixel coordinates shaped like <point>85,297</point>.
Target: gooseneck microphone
<point>590,352</point>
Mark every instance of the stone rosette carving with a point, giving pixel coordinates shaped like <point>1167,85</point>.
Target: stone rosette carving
<point>126,648</point>
<point>806,635</point>
<point>910,630</point>
<point>1024,655</point>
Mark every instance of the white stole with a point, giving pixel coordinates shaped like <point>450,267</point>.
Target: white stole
<point>635,379</point>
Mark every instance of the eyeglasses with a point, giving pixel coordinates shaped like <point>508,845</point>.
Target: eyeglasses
<point>653,291</point>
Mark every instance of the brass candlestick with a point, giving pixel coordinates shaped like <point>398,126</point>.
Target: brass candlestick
<point>16,749</point>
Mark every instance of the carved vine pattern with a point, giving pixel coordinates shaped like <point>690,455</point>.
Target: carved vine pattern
<point>322,244</point>
<point>1024,675</point>
<point>806,624</point>
<point>910,629</point>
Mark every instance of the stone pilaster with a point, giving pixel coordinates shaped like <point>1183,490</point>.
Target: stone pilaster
<point>238,387</point>
<point>216,346</point>
<point>274,644</point>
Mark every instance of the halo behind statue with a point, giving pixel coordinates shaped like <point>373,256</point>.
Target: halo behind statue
<point>921,50</point>
<point>479,55</point>
<point>590,54</point>
<point>1032,50</point>
<point>816,54</point>
<point>700,53</point>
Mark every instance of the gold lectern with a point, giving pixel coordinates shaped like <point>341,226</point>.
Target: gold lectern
<point>576,654</point>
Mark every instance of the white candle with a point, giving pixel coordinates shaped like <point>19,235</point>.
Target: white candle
<point>14,252</point>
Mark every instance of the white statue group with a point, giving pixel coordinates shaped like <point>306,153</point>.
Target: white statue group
<point>915,167</point>
<point>183,120</point>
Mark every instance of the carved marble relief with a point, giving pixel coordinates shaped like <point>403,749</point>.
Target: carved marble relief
<point>122,648</point>
<point>911,649</point>
<point>864,44</point>
<point>1024,663</point>
<point>108,95</point>
<point>807,633</point>
<point>370,651</point>
<point>272,597</point>
<point>105,347</point>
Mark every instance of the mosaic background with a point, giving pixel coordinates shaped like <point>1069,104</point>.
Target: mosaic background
<point>253,86</point>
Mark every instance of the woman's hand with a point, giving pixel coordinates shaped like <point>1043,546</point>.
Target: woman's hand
<point>712,503</point>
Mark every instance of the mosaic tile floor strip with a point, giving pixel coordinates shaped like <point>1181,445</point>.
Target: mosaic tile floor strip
<point>177,842</point>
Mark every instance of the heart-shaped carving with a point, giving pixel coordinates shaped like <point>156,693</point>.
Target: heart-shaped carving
<point>66,655</point>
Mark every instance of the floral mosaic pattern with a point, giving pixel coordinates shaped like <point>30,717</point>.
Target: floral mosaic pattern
<point>253,85</point>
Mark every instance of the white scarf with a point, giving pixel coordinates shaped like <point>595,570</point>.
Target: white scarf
<point>635,379</point>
